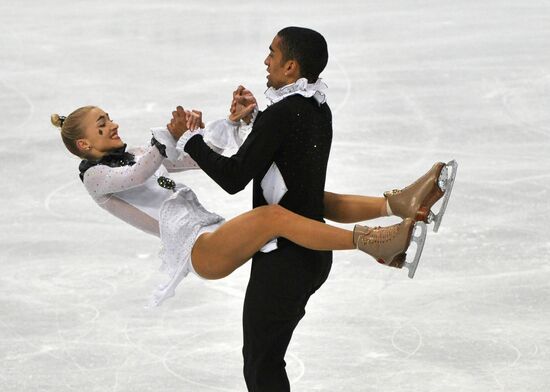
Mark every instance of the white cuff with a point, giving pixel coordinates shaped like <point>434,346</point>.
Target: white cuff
<point>187,136</point>
<point>254,115</point>
<point>233,123</point>
<point>163,135</point>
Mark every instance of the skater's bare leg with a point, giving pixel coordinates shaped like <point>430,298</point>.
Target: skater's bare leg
<point>353,208</point>
<point>215,255</point>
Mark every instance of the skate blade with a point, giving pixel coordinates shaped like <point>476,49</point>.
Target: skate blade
<point>445,181</point>
<point>420,239</point>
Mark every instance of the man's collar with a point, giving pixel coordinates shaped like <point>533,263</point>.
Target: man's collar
<point>316,90</point>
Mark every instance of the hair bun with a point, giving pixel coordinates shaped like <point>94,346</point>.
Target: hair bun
<point>57,120</point>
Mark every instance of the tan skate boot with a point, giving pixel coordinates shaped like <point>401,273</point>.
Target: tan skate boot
<point>416,200</point>
<point>388,245</point>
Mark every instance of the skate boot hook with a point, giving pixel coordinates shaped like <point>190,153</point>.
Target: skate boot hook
<point>416,200</point>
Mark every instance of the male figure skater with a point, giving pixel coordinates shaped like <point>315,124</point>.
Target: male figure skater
<point>286,156</point>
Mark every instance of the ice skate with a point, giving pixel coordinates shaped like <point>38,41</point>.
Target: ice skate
<point>388,245</point>
<point>416,200</point>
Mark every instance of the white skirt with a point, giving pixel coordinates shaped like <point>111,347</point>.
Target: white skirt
<point>182,220</point>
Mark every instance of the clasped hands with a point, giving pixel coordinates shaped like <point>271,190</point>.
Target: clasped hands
<point>242,108</point>
<point>183,121</point>
<point>242,105</point>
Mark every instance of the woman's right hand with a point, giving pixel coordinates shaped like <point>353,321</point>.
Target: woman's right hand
<point>178,125</point>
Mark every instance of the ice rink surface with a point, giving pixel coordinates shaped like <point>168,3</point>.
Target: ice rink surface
<point>410,83</point>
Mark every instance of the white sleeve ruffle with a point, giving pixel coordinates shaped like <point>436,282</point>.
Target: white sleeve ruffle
<point>177,160</point>
<point>223,136</point>
<point>226,136</point>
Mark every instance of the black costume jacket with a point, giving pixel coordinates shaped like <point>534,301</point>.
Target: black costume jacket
<point>296,134</point>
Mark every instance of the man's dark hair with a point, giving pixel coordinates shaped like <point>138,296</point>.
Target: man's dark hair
<point>307,47</point>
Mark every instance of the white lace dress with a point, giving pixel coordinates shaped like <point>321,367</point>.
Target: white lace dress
<point>133,194</point>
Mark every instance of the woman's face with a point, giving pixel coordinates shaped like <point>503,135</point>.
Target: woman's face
<point>101,133</point>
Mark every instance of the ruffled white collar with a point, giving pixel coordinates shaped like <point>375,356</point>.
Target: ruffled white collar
<point>316,90</point>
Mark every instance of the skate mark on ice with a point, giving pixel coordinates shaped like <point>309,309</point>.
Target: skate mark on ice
<point>37,349</point>
<point>179,359</point>
<point>55,194</point>
<point>21,124</point>
<point>302,368</point>
<point>225,289</point>
<point>192,382</point>
<point>384,149</point>
<point>543,83</point>
<point>64,348</point>
<point>495,374</point>
<point>404,351</point>
<point>347,80</point>
<point>77,276</point>
<point>165,363</point>
<point>169,356</point>
<point>12,40</point>
<point>457,279</point>
<point>139,347</point>
<point>52,194</point>
<point>155,358</point>
<point>535,179</point>
<point>428,125</point>
<point>50,351</point>
<point>77,343</point>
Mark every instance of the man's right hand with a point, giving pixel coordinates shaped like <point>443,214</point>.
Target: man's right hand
<point>243,105</point>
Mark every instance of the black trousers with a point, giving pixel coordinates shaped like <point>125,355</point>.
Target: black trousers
<point>280,285</point>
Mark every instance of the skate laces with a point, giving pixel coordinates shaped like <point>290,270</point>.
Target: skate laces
<point>393,192</point>
<point>398,191</point>
<point>379,235</point>
<point>415,183</point>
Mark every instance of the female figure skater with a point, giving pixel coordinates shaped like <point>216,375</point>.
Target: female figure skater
<point>133,185</point>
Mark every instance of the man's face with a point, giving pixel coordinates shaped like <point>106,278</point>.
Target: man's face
<point>276,67</point>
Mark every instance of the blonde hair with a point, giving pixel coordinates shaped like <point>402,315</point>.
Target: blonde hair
<point>71,128</point>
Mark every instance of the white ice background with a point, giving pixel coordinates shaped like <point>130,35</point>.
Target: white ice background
<point>410,82</point>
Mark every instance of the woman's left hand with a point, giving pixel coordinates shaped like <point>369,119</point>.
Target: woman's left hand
<point>183,121</point>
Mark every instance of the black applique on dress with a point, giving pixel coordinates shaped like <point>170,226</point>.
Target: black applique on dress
<point>115,158</point>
